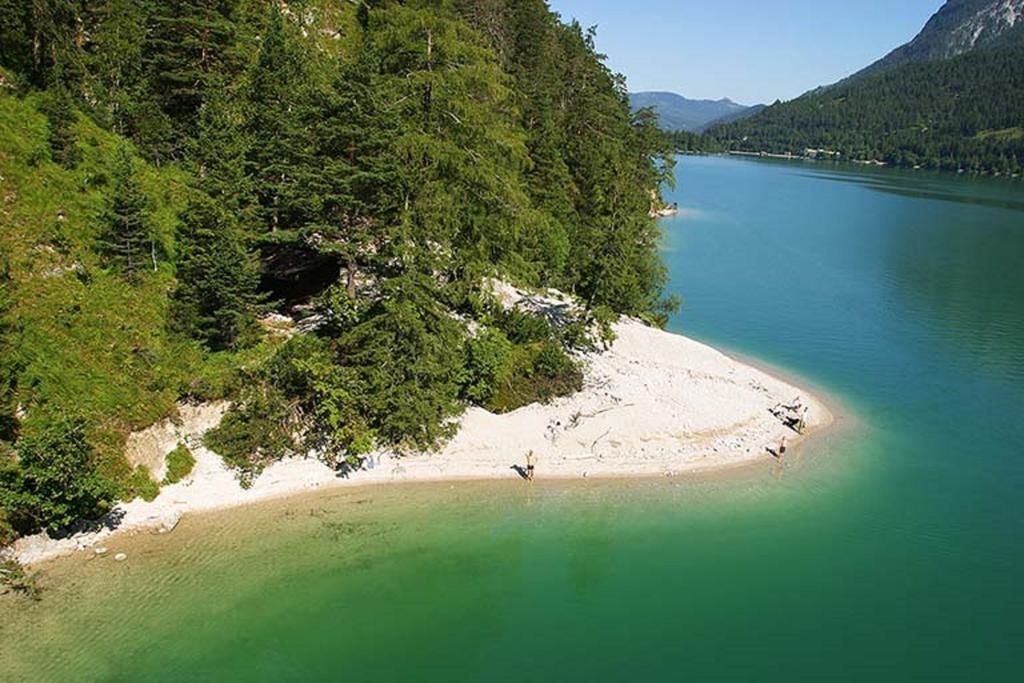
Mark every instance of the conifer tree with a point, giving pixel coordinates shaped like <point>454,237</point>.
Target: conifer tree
<point>127,240</point>
<point>60,113</point>
<point>356,196</point>
<point>215,298</point>
<point>188,53</point>
<point>281,165</point>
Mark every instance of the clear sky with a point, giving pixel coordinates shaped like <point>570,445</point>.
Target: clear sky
<point>749,50</point>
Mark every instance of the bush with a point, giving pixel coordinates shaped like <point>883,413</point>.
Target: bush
<point>7,533</point>
<point>141,485</point>
<point>180,462</point>
<point>490,361</point>
<point>253,434</point>
<point>55,480</point>
<point>541,372</point>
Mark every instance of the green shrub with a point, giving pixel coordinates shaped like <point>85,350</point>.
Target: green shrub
<point>7,533</point>
<point>541,372</point>
<point>490,360</point>
<point>55,480</point>
<point>141,485</point>
<point>180,462</point>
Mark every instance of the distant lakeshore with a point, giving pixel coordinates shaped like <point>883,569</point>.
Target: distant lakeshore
<point>790,156</point>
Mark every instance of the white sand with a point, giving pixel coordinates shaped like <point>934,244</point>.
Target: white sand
<point>655,404</point>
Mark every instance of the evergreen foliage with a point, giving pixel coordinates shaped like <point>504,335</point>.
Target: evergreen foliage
<point>9,365</point>
<point>963,113</point>
<point>127,240</point>
<point>217,277</point>
<point>368,164</point>
<point>60,113</point>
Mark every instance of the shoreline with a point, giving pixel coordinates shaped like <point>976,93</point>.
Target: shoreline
<point>654,405</point>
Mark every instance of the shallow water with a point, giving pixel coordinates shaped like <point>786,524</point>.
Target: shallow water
<point>890,548</point>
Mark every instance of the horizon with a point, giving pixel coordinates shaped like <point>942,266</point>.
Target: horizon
<point>717,57</point>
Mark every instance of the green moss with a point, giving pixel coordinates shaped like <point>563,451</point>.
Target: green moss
<point>180,462</point>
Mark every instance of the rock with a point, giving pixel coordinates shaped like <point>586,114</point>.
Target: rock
<point>120,557</point>
<point>101,551</point>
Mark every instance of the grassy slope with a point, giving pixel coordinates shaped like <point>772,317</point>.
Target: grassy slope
<point>89,341</point>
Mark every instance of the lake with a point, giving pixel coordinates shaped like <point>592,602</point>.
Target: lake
<point>890,548</point>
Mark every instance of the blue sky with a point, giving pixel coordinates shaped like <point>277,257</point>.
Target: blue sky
<point>749,50</point>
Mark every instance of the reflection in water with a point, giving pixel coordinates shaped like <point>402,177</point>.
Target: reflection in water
<point>1005,193</point>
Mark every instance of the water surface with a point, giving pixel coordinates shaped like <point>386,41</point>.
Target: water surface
<point>889,550</point>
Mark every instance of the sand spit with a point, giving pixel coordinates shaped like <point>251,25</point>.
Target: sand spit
<point>654,404</point>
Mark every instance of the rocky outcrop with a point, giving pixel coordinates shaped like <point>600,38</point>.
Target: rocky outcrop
<point>960,26</point>
<point>150,446</point>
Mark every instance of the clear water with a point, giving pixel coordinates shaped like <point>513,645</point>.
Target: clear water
<point>891,548</point>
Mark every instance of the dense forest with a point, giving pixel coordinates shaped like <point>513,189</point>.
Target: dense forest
<point>962,113</point>
<point>175,170</point>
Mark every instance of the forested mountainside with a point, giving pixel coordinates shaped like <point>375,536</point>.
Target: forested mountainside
<point>962,113</point>
<point>172,171</point>
<point>952,98</point>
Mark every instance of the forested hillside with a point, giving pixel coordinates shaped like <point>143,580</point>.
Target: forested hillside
<point>962,113</point>
<point>174,170</point>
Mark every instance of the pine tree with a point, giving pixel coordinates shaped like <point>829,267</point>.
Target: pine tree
<point>356,197</point>
<point>215,298</point>
<point>115,71</point>
<point>59,108</point>
<point>127,240</point>
<point>37,35</point>
<point>189,53</point>
<point>281,165</point>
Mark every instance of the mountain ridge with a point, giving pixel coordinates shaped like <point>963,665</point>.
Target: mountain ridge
<point>679,113</point>
<point>958,27</point>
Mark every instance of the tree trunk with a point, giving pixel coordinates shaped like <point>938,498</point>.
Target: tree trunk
<point>350,284</point>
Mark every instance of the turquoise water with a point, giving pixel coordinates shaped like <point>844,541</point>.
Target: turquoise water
<point>890,549</point>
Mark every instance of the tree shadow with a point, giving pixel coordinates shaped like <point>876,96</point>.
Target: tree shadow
<point>345,469</point>
<point>109,522</point>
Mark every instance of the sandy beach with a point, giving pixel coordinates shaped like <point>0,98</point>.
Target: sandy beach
<point>653,404</point>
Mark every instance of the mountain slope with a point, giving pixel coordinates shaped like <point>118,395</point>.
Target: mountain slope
<point>951,98</point>
<point>680,113</point>
<point>960,26</point>
<point>966,112</point>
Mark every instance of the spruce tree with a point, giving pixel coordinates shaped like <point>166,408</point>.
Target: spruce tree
<point>216,294</point>
<point>281,164</point>
<point>187,54</point>
<point>59,108</point>
<point>356,197</point>
<point>127,240</point>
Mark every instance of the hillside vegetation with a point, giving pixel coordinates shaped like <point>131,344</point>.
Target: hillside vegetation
<point>962,113</point>
<point>172,171</point>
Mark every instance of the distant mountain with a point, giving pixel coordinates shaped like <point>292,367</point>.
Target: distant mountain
<point>951,98</point>
<point>960,26</point>
<point>680,113</point>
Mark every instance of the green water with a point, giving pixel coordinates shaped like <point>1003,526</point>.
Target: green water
<point>889,549</point>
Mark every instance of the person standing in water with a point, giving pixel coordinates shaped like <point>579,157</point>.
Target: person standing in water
<point>531,461</point>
